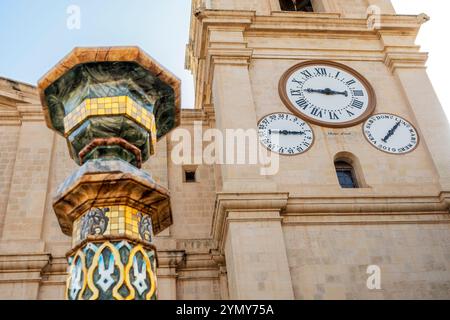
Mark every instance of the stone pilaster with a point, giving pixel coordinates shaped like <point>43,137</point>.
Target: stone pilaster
<point>248,230</point>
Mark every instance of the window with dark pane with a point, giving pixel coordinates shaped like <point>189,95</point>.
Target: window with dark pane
<point>190,176</point>
<point>296,5</point>
<point>346,175</point>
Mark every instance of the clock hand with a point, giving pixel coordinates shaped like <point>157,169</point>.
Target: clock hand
<point>286,132</point>
<point>391,132</point>
<point>327,91</point>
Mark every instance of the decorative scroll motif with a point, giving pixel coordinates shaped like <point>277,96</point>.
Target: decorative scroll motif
<point>145,227</point>
<point>112,271</point>
<point>95,222</point>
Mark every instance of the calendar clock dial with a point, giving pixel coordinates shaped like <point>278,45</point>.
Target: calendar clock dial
<point>285,134</point>
<point>391,134</point>
<point>327,93</point>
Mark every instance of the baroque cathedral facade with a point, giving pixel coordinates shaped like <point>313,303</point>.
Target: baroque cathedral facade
<point>358,209</point>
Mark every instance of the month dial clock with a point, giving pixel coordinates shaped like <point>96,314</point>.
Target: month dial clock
<point>285,134</point>
<point>327,93</point>
<point>391,134</point>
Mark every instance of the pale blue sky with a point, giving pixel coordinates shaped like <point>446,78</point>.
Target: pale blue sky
<point>34,36</point>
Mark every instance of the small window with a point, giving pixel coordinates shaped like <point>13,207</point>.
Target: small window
<point>190,175</point>
<point>346,175</point>
<point>296,5</point>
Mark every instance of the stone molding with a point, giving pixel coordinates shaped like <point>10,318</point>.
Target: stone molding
<point>244,202</point>
<point>170,258</point>
<point>327,210</point>
<point>23,267</point>
<point>20,114</point>
<point>368,210</point>
<point>376,205</point>
<point>402,60</point>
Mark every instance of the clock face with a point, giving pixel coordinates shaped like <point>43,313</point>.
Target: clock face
<point>327,94</point>
<point>391,134</point>
<point>285,134</point>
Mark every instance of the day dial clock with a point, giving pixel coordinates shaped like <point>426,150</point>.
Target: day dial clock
<point>391,134</point>
<point>327,93</point>
<point>285,134</point>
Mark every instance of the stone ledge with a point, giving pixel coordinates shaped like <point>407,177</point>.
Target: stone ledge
<point>246,202</point>
<point>23,267</point>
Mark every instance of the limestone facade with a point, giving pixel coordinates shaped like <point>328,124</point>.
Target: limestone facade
<point>240,235</point>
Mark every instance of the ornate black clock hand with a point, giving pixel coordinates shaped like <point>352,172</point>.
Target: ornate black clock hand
<point>309,90</point>
<point>327,91</point>
<point>287,132</point>
<point>391,132</point>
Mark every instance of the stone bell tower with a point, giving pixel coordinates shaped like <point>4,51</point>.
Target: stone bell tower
<point>330,214</point>
<point>111,105</point>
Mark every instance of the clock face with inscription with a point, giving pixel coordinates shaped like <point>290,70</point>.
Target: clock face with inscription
<point>391,133</point>
<point>327,94</point>
<point>285,134</point>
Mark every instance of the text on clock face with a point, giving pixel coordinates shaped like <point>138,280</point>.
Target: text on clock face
<point>326,93</point>
<point>391,134</point>
<point>285,133</point>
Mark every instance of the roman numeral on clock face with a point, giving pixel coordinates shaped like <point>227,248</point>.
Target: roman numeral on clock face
<point>333,116</point>
<point>306,74</point>
<point>358,93</point>
<point>350,82</point>
<point>302,103</point>
<point>317,113</point>
<point>357,104</point>
<point>321,71</point>
<point>296,92</point>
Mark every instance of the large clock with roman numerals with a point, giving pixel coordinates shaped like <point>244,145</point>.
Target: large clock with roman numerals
<point>327,93</point>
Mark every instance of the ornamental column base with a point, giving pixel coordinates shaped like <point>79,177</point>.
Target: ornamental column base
<point>112,270</point>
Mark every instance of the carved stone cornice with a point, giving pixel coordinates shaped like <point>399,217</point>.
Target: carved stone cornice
<point>13,92</point>
<point>368,210</point>
<point>31,112</point>
<point>170,258</point>
<point>10,117</point>
<point>189,116</point>
<point>329,24</point>
<point>402,60</point>
<point>243,202</point>
<point>230,56</point>
<point>21,113</point>
<point>23,267</point>
<point>375,204</point>
<point>24,262</point>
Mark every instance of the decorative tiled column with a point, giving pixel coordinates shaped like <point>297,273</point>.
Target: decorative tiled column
<point>111,105</point>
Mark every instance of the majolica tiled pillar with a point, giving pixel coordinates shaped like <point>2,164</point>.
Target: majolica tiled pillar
<point>111,105</point>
